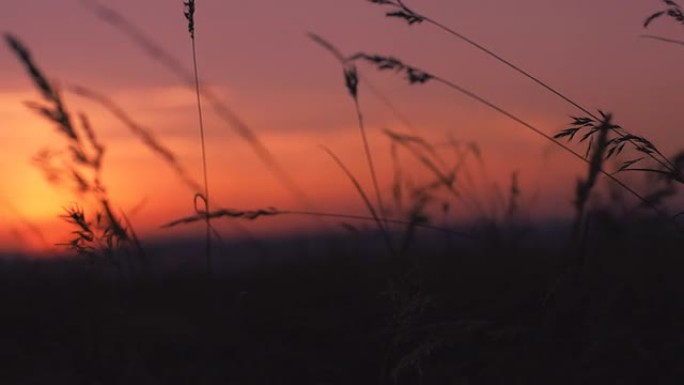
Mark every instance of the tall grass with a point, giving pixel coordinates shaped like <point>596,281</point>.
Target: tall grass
<point>601,146</point>
<point>433,311</point>
<point>416,75</point>
<point>190,16</point>
<point>672,10</point>
<point>224,112</point>
<point>82,167</point>
<point>402,11</point>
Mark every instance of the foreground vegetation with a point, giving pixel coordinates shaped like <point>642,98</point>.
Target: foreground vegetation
<point>479,315</point>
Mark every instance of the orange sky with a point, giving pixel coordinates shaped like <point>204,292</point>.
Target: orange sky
<point>256,56</point>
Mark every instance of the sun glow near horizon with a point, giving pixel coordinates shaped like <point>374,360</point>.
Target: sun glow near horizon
<point>141,184</point>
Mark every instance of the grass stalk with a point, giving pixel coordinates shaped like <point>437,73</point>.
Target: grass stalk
<point>664,39</point>
<point>369,161</point>
<point>584,188</point>
<point>413,17</point>
<point>352,81</point>
<point>82,165</point>
<point>379,220</point>
<point>423,152</point>
<point>223,111</point>
<point>256,214</point>
<point>190,16</point>
<point>416,75</point>
<point>144,134</point>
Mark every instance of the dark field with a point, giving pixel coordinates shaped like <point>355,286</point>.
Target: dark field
<point>490,311</point>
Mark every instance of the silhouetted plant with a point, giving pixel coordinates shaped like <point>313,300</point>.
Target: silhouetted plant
<point>105,240</point>
<point>112,17</point>
<point>256,214</point>
<point>445,176</point>
<point>144,134</point>
<point>599,137</point>
<point>379,220</point>
<point>589,130</point>
<point>404,12</point>
<point>673,10</point>
<point>384,63</point>
<point>190,16</point>
<point>351,79</point>
<point>674,169</point>
<point>82,167</point>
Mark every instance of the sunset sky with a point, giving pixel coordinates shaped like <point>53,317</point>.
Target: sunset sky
<point>257,57</point>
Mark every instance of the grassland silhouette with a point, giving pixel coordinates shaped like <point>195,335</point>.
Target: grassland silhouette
<point>597,299</point>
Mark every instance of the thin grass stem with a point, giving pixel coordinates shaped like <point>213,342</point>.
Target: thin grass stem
<point>352,80</point>
<point>664,39</point>
<point>255,214</point>
<point>364,196</point>
<point>369,160</point>
<point>417,75</point>
<point>224,112</point>
<point>190,16</point>
<point>414,17</point>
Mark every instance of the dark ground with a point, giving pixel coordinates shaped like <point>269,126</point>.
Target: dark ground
<point>490,312</point>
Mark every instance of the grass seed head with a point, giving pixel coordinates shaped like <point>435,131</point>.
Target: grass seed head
<point>190,16</point>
